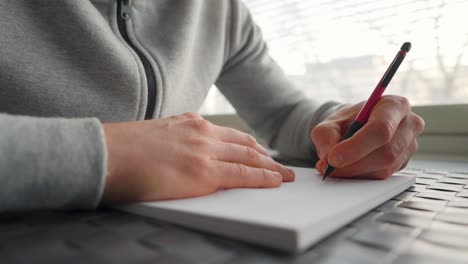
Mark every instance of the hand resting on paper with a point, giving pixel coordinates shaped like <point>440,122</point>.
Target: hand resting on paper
<point>382,147</point>
<point>183,156</point>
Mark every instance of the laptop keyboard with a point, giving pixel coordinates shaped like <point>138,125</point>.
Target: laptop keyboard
<point>428,223</point>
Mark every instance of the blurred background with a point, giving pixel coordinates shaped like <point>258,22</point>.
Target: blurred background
<point>339,49</point>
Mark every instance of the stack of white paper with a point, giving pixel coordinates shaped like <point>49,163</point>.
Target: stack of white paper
<point>290,218</point>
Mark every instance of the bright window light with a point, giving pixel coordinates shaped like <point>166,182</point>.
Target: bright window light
<point>339,49</point>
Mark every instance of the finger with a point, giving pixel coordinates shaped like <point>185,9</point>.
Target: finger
<point>388,154</point>
<point>230,135</point>
<point>380,173</point>
<point>379,130</point>
<point>248,156</point>
<point>324,136</point>
<point>235,175</point>
<point>320,166</point>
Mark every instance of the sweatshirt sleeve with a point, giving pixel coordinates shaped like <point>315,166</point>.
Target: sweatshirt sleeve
<point>261,93</point>
<point>51,163</point>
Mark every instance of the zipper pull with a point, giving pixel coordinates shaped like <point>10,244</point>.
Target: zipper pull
<point>125,9</point>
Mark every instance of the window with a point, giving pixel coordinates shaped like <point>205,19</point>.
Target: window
<point>339,49</point>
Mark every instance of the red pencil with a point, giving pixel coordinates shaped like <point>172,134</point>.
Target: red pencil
<point>364,114</point>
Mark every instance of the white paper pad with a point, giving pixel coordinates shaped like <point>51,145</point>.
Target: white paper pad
<point>290,218</point>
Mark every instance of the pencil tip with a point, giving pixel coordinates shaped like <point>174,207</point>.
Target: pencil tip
<point>328,170</point>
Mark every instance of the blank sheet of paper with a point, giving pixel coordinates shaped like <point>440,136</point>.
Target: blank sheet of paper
<point>290,218</point>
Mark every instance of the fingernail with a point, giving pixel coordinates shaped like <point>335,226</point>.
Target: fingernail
<point>291,172</point>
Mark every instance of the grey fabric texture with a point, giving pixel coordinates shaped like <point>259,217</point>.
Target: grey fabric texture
<point>65,69</point>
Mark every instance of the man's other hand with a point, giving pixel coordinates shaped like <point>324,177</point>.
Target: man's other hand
<point>380,148</point>
<point>183,156</point>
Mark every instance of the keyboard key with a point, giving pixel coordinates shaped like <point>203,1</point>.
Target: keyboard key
<point>417,188</point>
<point>463,193</point>
<point>429,201</point>
<point>422,249</point>
<point>113,247</point>
<point>436,195</point>
<point>460,202</point>
<point>418,259</point>
<point>405,220</point>
<point>456,210</point>
<point>422,206</point>
<point>41,248</point>
<point>450,180</point>
<point>345,251</point>
<point>446,187</point>
<point>383,236</point>
<point>431,176</point>
<point>454,218</point>
<point>404,196</point>
<point>435,172</point>
<point>165,258</point>
<point>390,204</point>
<point>115,220</point>
<point>458,175</point>
<point>338,236</point>
<point>407,211</point>
<point>132,227</point>
<point>188,245</point>
<point>409,171</point>
<point>448,239</point>
<point>424,181</point>
<point>448,227</point>
<point>73,230</point>
<point>307,257</point>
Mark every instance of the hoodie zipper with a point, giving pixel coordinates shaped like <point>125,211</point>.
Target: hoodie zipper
<point>124,13</point>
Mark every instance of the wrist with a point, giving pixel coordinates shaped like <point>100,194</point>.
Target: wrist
<point>110,189</point>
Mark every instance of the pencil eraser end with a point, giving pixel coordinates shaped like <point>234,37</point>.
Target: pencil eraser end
<point>406,46</point>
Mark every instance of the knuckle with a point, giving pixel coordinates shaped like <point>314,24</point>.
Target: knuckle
<point>265,175</point>
<point>241,170</point>
<point>251,141</point>
<point>404,102</point>
<point>195,162</point>
<point>419,124</point>
<point>251,154</point>
<point>200,143</point>
<point>399,101</point>
<point>201,125</point>
<point>192,115</point>
<point>384,131</point>
<point>391,154</point>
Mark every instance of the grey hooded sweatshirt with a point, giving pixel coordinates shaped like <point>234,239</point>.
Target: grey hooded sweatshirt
<point>67,66</point>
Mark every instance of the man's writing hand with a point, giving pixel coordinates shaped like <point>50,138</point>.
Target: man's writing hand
<point>183,156</point>
<point>381,147</point>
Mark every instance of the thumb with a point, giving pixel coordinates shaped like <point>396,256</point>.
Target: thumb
<point>324,136</point>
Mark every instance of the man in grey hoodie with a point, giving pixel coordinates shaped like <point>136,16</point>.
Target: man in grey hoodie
<point>96,102</point>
